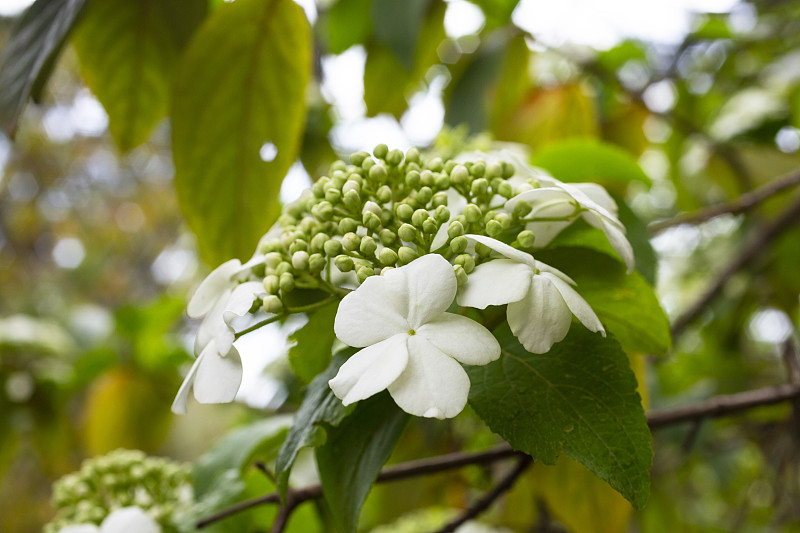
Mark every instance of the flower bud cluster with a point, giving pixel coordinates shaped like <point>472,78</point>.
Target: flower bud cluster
<point>119,479</point>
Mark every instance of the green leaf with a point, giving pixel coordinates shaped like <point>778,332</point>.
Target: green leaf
<point>580,160</point>
<point>128,51</point>
<point>398,26</point>
<point>580,397</point>
<point>319,406</point>
<point>497,12</point>
<point>347,23</point>
<point>239,86</point>
<point>352,457</point>
<point>616,56</point>
<point>626,304</point>
<point>28,56</point>
<point>312,353</point>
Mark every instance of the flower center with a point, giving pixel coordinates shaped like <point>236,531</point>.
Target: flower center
<point>412,332</point>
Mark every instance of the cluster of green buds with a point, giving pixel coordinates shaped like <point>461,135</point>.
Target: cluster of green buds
<point>383,210</point>
<point>122,478</point>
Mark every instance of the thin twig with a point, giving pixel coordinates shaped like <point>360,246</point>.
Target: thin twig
<point>749,252</point>
<point>483,503</point>
<point>739,205</point>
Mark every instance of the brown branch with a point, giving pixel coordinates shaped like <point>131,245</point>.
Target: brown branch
<point>751,249</point>
<point>740,205</point>
<point>486,501</point>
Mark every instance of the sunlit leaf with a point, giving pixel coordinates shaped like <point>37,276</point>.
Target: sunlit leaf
<point>347,23</point>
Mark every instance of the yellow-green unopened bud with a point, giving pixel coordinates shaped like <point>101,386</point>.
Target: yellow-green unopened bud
<point>419,216</point>
<point>489,215</point>
<point>323,210</point>
<point>479,186</point>
<point>459,175</point>
<point>459,244</point>
<point>407,232</point>
<point>505,190</point>
<point>380,151</point>
<point>319,187</point>
<point>316,263</point>
<point>273,259</point>
<point>367,164</point>
<point>461,275</point>
<point>371,221</point>
<point>287,283</point>
<point>455,229</point>
<point>333,196</point>
<point>300,260</point>
<point>413,179</point>
<point>348,225</point>
<point>386,269</point>
<point>435,164</point>
<point>298,245</point>
<point>478,169</point>
<point>441,214</point>
<point>333,248</point>
<point>351,185</point>
<point>440,198</point>
<point>449,166</point>
<point>424,195</point>
<point>384,194</point>
<point>482,250</point>
<point>494,170</point>
<point>394,158</point>
<point>387,256</point>
<point>272,304</point>
<point>494,228</point>
<point>368,246</point>
<point>351,200</point>
<point>271,284</point>
<point>472,213</point>
<point>466,261</point>
<point>318,242</point>
<point>526,238</point>
<point>344,263</point>
<point>412,156</point>
<point>427,178</point>
<point>430,227</point>
<point>504,219</point>
<point>358,158</point>
<point>443,182</point>
<point>283,268</point>
<point>508,169</point>
<point>404,211</point>
<point>406,254</point>
<point>350,242</point>
<point>377,173</point>
<point>521,209</point>
<point>364,272</point>
<point>387,237</point>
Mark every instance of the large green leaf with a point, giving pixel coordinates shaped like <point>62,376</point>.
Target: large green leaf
<point>347,23</point>
<point>319,406</point>
<point>128,51</point>
<point>497,12</point>
<point>398,25</point>
<point>239,87</point>
<point>312,352</point>
<point>580,397</point>
<point>29,54</point>
<point>625,303</point>
<point>352,457</point>
<point>579,160</point>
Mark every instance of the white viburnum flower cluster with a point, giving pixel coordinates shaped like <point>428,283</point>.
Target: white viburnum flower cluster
<point>124,491</point>
<point>412,236</point>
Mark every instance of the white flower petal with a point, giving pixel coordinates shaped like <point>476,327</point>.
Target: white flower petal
<point>80,528</point>
<point>430,285</point>
<point>241,300</point>
<point>214,328</point>
<point>497,282</point>
<point>503,249</point>
<point>577,304</point>
<point>540,319</point>
<point>218,378</point>
<point>371,370</point>
<point>542,267</point>
<point>550,197</point>
<point>373,312</point>
<point>432,385</point>
<point>179,404</point>
<point>615,235</point>
<point>211,288</point>
<point>129,520</point>
<point>462,339</point>
<point>599,195</point>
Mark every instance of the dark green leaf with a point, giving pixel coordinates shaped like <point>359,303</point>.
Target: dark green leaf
<point>128,51</point>
<point>347,23</point>
<point>579,160</point>
<point>28,56</point>
<point>352,457</point>
<point>239,87</point>
<point>580,397</point>
<point>319,406</point>
<point>398,26</point>
<point>497,12</point>
<point>626,304</point>
<point>312,353</point>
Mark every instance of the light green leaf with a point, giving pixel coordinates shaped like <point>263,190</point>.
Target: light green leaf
<point>626,304</point>
<point>497,12</point>
<point>397,25</point>
<point>312,353</point>
<point>319,406</point>
<point>30,53</point>
<point>581,160</point>
<point>580,397</point>
<point>128,51</point>
<point>352,457</point>
<point>347,23</point>
<point>239,87</point>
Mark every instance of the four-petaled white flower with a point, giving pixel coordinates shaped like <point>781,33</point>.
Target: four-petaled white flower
<point>540,300</point>
<point>216,374</point>
<point>124,520</point>
<point>587,200</point>
<point>411,346</point>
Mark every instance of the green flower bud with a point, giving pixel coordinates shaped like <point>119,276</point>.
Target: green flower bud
<point>482,250</point>
<point>333,248</point>
<point>524,187</point>
<point>351,242</point>
<point>413,179</point>
<point>394,158</point>
<point>287,283</point>
<point>424,195</point>
<point>386,269</point>
<point>352,200</point>
<point>319,187</point>
<point>430,227</point>
<point>494,170</point>
<point>384,194</point>
<point>413,166</point>
<point>459,175</point>
<point>300,260</point>
<point>504,219</point>
<point>358,158</point>
<point>407,232</point>
<point>441,214</point>
<point>461,275</point>
<point>272,245</point>
<point>371,221</point>
<point>508,169</point>
<point>368,246</point>
<point>505,190</point>
<point>435,164</point>
<point>338,165</point>
<point>386,218</point>
<point>354,177</point>
<point>387,237</point>
<point>316,263</point>
<point>387,256</point>
<point>348,225</point>
<point>367,164</point>
<point>489,215</point>
<point>344,263</point>
<point>351,185</point>
<point>419,216</point>
<point>334,196</point>
<point>526,238</point>
<point>406,254</point>
<point>377,174</point>
<point>458,244</point>
<point>323,210</point>
<point>338,177</point>
<point>472,213</point>
<point>380,151</point>
<point>479,186</point>
<point>372,207</point>
<point>298,245</point>
<point>521,209</point>
<point>404,211</point>
<point>478,170</point>
<point>273,259</point>
<point>440,198</point>
<point>494,228</point>
<point>466,261</point>
<point>427,178</point>
<point>455,229</point>
<point>283,268</point>
<point>495,183</point>
<point>442,182</point>
<point>412,155</point>
<point>273,304</point>
<point>364,272</point>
